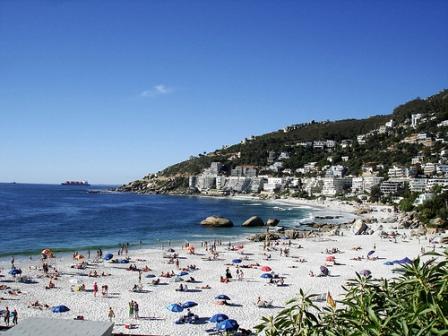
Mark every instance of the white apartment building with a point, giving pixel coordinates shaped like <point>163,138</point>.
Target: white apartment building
<point>443,182</point>
<point>418,184</point>
<point>396,172</point>
<point>335,185</point>
<point>390,187</point>
<point>273,184</point>
<point>429,168</point>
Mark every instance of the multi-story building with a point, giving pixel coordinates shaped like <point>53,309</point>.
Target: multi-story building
<point>443,182</point>
<point>429,168</point>
<point>273,184</point>
<point>361,139</point>
<point>418,184</point>
<point>319,144</point>
<point>244,170</point>
<point>335,185</point>
<point>335,171</point>
<point>396,172</point>
<point>390,187</point>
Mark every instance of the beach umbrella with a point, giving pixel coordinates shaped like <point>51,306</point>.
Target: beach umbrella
<point>405,260</point>
<point>330,258</point>
<point>108,256</point>
<point>236,261</point>
<point>222,297</point>
<point>266,269</point>
<point>227,325</point>
<point>370,253</point>
<point>150,276</point>
<point>60,309</point>
<point>175,308</point>
<point>365,273</point>
<point>266,276</point>
<point>15,271</point>
<point>47,252</point>
<point>218,318</point>
<point>182,273</point>
<point>189,304</point>
<point>324,270</point>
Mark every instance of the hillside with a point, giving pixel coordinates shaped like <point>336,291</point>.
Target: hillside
<point>379,148</point>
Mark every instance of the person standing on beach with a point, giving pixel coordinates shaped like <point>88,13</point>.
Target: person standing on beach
<point>139,276</point>
<point>111,314</point>
<point>95,288</point>
<point>136,308</point>
<point>15,316</point>
<point>131,309</point>
<point>7,316</point>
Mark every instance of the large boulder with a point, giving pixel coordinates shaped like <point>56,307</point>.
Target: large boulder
<point>217,221</point>
<point>272,222</point>
<point>253,221</point>
<point>359,227</point>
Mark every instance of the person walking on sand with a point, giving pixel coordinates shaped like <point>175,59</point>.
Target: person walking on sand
<point>15,316</point>
<point>95,288</point>
<point>111,314</point>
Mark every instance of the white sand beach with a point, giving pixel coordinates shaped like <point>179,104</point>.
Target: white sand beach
<point>156,319</point>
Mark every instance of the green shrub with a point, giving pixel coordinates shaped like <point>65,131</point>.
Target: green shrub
<point>415,303</point>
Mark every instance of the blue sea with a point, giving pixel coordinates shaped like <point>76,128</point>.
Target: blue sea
<point>67,218</point>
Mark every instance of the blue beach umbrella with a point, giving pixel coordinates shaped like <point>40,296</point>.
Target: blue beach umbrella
<point>266,276</point>
<point>15,271</point>
<point>324,270</point>
<point>60,309</point>
<point>222,297</point>
<point>175,308</point>
<point>236,261</point>
<point>227,325</point>
<point>218,318</point>
<point>108,256</point>
<point>150,276</point>
<point>189,304</point>
<point>370,253</point>
<point>183,273</point>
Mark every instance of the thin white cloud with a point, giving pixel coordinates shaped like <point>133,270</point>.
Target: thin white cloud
<point>157,90</point>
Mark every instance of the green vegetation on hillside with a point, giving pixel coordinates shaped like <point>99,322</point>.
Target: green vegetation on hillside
<point>380,148</point>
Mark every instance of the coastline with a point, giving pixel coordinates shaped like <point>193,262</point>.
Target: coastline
<point>158,320</point>
<point>314,206</point>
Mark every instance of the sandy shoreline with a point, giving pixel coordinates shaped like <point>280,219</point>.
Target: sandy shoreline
<point>156,319</point>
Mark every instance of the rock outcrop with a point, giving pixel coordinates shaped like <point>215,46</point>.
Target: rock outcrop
<point>259,237</point>
<point>272,222</point>
<point>253,221</point>
<point>217,221</point>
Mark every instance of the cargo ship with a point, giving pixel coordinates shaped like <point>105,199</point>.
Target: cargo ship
<point>76,183</point>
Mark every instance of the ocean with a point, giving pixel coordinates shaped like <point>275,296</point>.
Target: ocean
<point>68,218</point>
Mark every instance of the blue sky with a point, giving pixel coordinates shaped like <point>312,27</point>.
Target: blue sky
<point>111,90</point>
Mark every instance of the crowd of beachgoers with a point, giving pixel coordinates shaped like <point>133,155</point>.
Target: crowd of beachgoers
<point>198,287</point>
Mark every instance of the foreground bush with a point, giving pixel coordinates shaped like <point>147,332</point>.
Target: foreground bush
<point>415,303</point>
